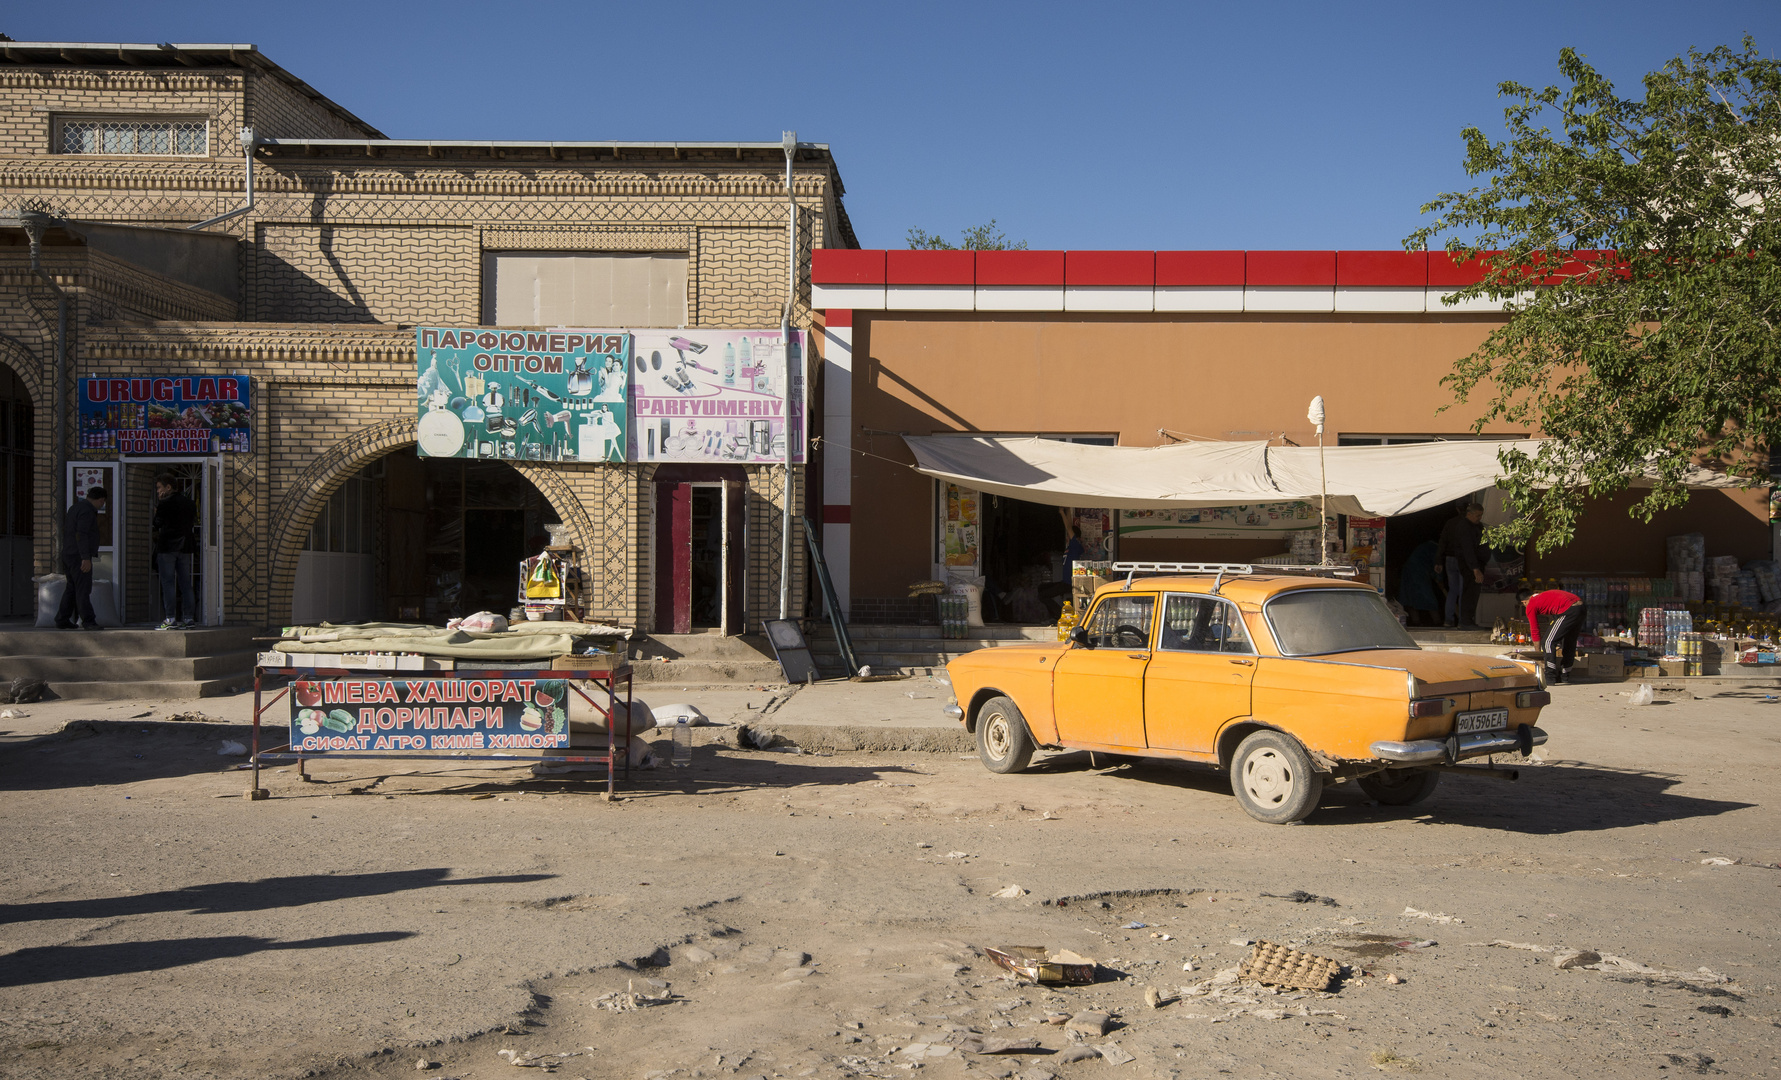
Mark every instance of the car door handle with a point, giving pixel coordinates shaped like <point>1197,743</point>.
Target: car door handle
<point>1243,662</point>
<point>1138,655</point>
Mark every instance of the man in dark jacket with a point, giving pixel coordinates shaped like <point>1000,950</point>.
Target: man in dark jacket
<point>174,547</point>
<point>1461,553</point>
<point>80,546</point>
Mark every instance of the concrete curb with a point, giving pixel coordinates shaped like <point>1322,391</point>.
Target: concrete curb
<point>933,740</point>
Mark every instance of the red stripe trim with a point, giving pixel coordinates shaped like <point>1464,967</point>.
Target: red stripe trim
<point>1200,268</point>
<point>1110,268</point>
<point>1291,268</point>
<point>845,266</point>
<point>1407,269</point>
<point>930,268</point>
<point>837,514</point>
<point>1020,268</point>
<point>835,318</point>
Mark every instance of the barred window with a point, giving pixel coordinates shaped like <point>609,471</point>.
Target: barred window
<point>135,136</point>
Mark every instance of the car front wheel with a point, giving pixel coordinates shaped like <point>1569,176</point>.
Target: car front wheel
<point>1003,743</point>
<point>1274,779</point>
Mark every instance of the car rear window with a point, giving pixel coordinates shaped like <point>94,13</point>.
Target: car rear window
<point>1313,622</point>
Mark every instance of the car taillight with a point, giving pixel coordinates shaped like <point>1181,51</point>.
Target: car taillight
<point>1431,706</point>
<point>1532,699</point>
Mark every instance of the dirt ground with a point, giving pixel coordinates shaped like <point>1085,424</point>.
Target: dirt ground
<point>822,915</point>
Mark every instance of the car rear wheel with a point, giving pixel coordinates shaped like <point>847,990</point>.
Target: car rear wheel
<point>1274,779</point>
<point>1400,787</point>
<point>1003,743</point>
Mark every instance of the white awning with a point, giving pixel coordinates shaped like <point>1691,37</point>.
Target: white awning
<point>1371,481</point>
<point>1363,480</point>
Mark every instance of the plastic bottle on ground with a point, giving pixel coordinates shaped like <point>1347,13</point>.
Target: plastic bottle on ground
<point>683,743</point>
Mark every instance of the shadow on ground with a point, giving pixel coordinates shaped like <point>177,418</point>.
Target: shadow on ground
<point>59,963</point>
<point>262,895</point>
<point>1557,797</point>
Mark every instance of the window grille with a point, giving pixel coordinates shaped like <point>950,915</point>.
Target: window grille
<point>170,137</point>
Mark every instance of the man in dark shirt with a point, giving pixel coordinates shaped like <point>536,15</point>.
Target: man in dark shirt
<point>80,546</point>
<point>174,547</point>
<point>1461,552</point>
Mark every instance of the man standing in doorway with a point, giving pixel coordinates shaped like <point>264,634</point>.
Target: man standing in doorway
<point>1461,552</point>
<point>80,546</point>
<point>174,545</point>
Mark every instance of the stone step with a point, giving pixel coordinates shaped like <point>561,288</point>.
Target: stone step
<point>124,641</point>
<point>706,672</point>
<point>153,690</point>
<point>59,669</point>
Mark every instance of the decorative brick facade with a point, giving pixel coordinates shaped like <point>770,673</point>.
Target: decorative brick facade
<point>344,250</point>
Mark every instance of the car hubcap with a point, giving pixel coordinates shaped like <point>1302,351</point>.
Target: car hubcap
<point>1268,778</point>
<point>995,737</point>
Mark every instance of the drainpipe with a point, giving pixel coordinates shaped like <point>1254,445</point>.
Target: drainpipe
<point>247,145</point>
<point>35,222</point>
<point>790,139</point>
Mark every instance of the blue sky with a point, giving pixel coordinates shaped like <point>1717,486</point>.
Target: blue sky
<point>1116,125</point>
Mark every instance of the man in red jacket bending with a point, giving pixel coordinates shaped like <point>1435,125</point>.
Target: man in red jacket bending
<point>1554,619</point>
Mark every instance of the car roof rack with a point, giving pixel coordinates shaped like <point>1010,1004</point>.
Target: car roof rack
<point>1221,570</point>
<point>1149,568</point>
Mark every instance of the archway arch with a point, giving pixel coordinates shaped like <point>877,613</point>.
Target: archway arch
<point>311,489</point>
<point>26,478</point>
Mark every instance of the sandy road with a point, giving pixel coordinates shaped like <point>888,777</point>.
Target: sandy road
<point>351,926</point>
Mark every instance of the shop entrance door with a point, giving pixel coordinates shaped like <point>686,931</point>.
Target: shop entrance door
<point>699,547</point>
<point>17,494</point>
<point>201,480</point>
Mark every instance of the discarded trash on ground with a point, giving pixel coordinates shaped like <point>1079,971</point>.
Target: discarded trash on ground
<point>1134,925</point>
<point>1300,896</point>
<point>628,999</point>
<point>1412,946</point>
<point>231,748</point>
<point>1432,916</point>
<point>1277,965</point>
<point>1113,1055</point>
<point>1642,696</point>
<point>1041,965</point>
<point>1010,893</point>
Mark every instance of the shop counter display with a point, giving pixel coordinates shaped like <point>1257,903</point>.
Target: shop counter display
<point>401,691</point>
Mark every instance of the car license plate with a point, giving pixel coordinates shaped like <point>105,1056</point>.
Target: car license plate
<point>1481,720</point>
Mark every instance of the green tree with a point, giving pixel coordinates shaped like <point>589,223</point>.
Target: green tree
<point>1636,252</point>
<point>977,238</point>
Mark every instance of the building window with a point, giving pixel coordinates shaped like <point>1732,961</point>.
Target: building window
<point>584,288</point>
<point>137,135</point>
<point>348,522</point>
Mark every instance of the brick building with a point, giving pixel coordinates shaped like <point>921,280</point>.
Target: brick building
<point>312,289</point>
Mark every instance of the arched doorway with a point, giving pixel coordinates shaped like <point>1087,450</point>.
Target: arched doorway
<point>18,492</point>
<point>419,539</point>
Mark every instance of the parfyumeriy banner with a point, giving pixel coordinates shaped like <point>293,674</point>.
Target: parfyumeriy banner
<point>522,395</point>
<point>429,714</point>
<point>717,396</point>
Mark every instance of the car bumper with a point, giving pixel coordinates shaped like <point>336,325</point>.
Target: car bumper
<point>1458,747</point>
<point>953,712</point>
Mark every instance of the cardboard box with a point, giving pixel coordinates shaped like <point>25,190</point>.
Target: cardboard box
<point>1610,666</point>
<point>1675,669</point>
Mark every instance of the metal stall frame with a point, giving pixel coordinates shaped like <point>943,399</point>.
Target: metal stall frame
<point>601,677</point>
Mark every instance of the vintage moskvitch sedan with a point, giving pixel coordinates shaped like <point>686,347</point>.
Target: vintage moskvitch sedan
<point>1287,680</point>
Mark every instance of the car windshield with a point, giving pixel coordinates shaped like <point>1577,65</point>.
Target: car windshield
<point>1312,622</point>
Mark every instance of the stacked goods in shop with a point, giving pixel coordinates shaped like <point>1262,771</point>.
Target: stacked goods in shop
<point>1651,629</point>
<point>954,610</point>
<point>1688,564</point>
<point>1768,580</point>
<point>1722,579</point>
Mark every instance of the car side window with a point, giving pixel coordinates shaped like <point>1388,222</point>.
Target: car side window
<point>1203,624</point>
<point>1122,622</point>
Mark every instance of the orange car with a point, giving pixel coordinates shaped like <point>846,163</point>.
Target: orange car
<point>1288,681</point>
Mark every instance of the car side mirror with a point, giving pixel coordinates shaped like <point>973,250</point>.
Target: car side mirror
<point>1079,637</point>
